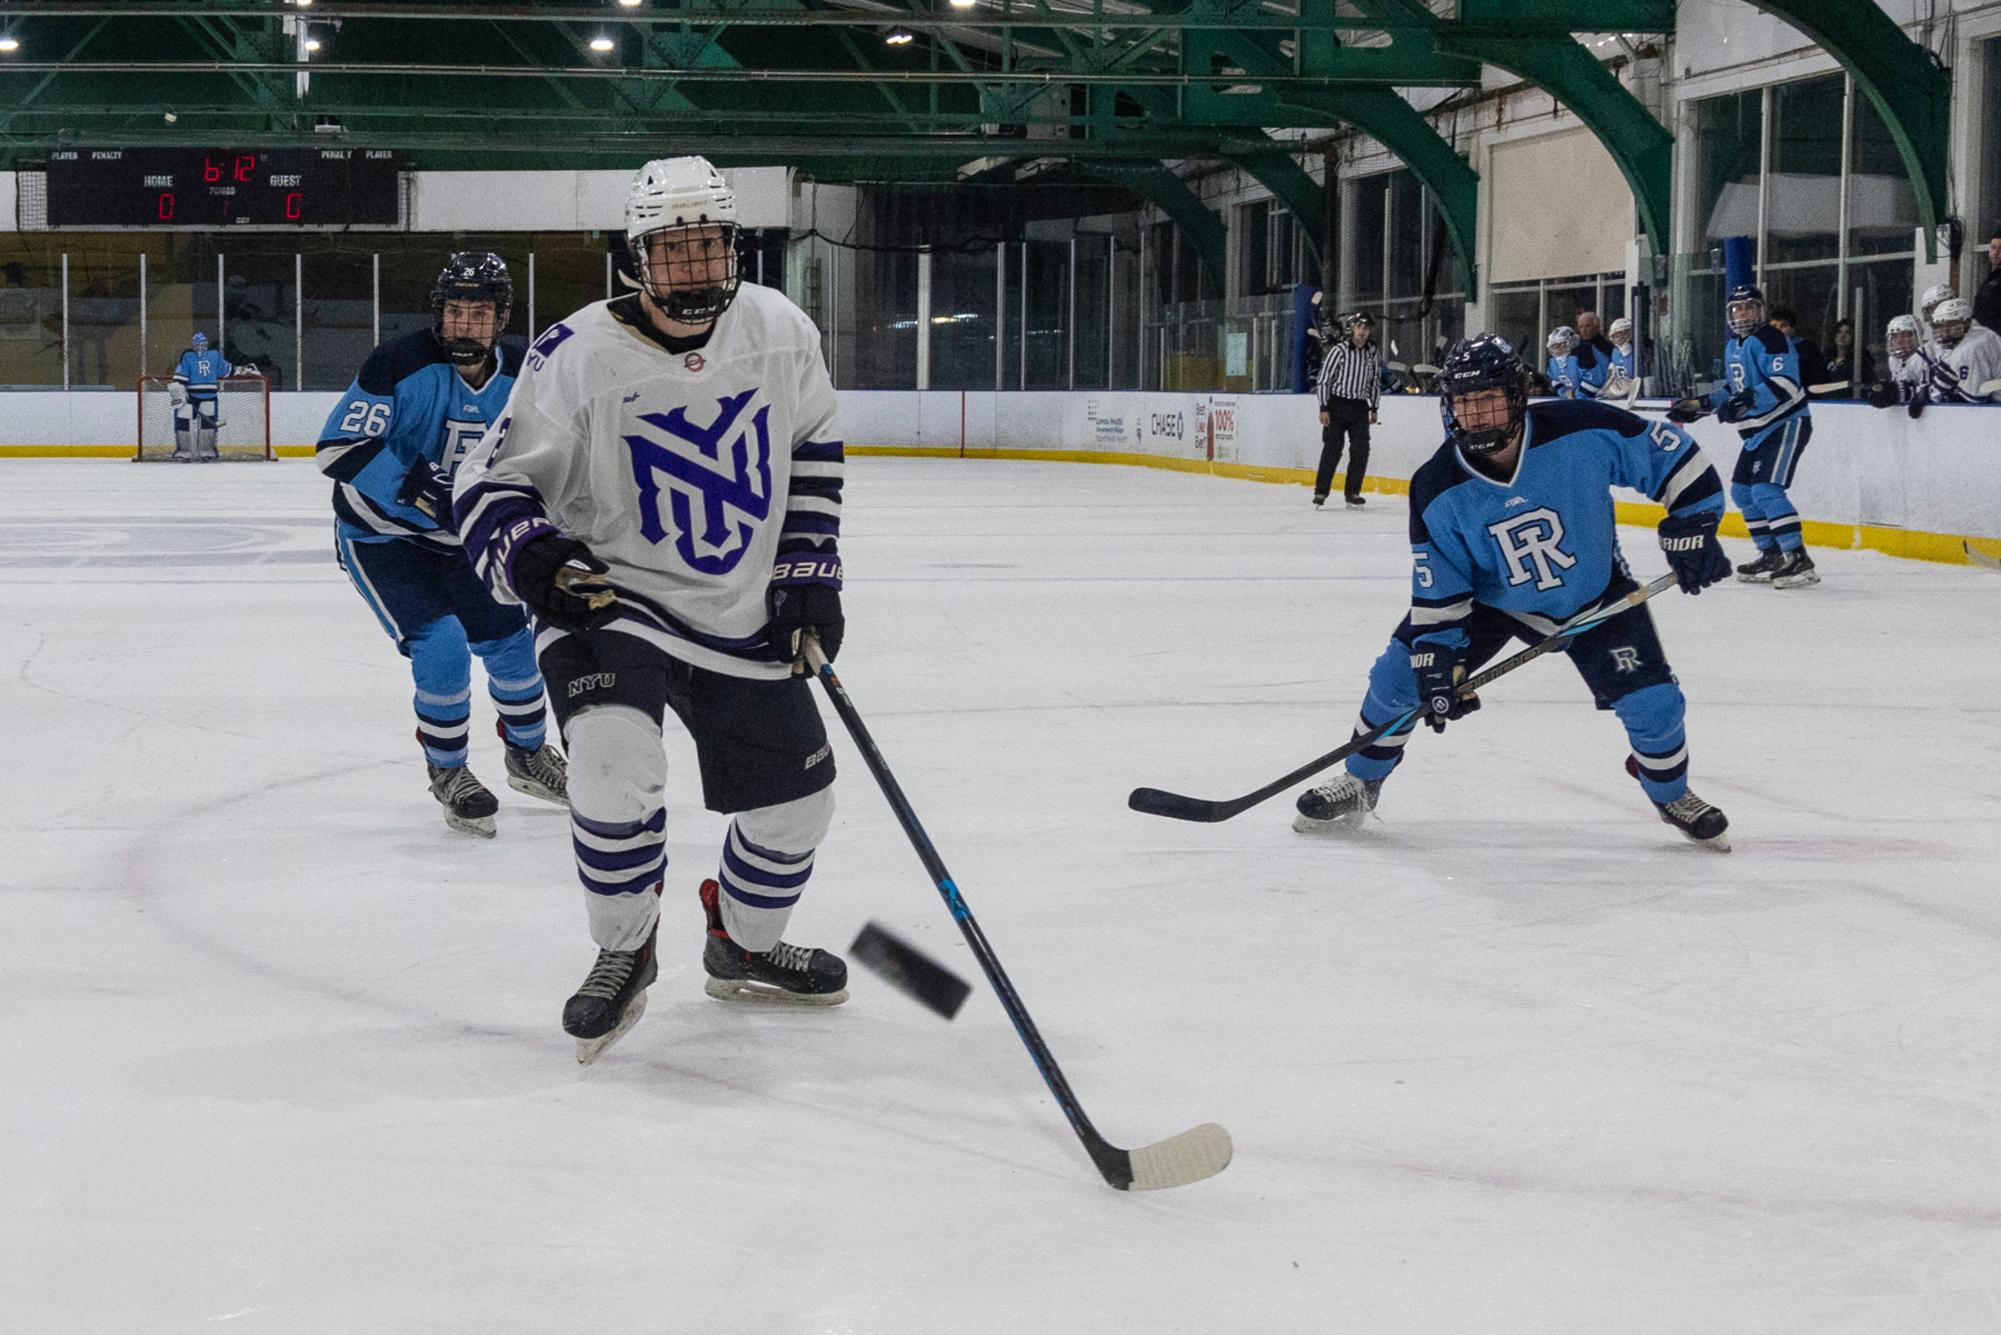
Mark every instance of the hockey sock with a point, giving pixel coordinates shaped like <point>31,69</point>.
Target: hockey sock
<point>618,820</point>
<point>522,714</point>
<point>1653,717</point>
<point>1781,520</point>
<point>1754,516</point>
<point>762,875</point>
<point>442,723</point>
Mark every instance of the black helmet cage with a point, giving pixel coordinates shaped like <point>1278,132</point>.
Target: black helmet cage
<point>472,275</point>
<point>1475,364</point>
<point>682,288</point>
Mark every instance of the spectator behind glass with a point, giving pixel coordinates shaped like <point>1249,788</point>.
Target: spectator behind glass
<point>1987,301</point>
<point>1593,353</point>
<point>1813,363</point>
<point>1851,361</point>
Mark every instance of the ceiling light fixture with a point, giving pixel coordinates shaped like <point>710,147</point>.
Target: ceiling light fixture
<point>964,4</point>
<point>900,37</point>
<point>628,4</point>
<point>602,44</point>
<point>312,44</point>
<point>9,45</point>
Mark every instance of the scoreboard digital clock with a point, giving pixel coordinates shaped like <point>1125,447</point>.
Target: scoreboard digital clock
<point>223,187</point>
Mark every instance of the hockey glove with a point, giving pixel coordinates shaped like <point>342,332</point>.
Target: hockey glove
<point>805,594</point>
<point>1693,553</point>
<point>427,487</point>
<point>1688,410</point>
<point>1916,407</point>
<point>558,578</point>
<point>1440,667</point>
<point>1735,408</point>
<point>1882,394</point>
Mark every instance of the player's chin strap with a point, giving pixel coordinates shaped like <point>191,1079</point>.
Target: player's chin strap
<point>1194,1154</point>
<point>1155,802</point>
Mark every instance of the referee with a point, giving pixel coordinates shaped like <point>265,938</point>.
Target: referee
<point>1350,384</point>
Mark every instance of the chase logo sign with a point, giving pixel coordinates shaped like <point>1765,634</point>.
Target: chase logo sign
<point>715,478</point>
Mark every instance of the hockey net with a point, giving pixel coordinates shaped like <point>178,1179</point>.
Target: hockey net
<point>243,412</point>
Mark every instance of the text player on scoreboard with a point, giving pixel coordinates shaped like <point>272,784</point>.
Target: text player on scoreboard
<point>1513,536</point>
<point>391,446</point>
<point>664,495</point>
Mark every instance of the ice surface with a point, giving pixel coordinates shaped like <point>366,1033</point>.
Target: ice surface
<point>281,1052</point>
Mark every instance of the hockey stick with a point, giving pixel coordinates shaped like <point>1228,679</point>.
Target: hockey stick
<point>1155,802</point>
<point>1980,558</point>
<point>1988,389</point>
<point>1199,1152</point>
<point>1828,387</point>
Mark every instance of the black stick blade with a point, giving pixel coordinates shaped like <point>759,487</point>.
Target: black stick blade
<point>1154,802</point>
<point>910,971</point>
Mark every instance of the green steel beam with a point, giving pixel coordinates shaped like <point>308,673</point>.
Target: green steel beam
<point>1550,17</point>
<point>1200,226</point>
<point>1639,144</point>
<point>1910,90</point>
<point>1279,172</point>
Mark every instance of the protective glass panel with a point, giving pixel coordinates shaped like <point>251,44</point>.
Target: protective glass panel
<point>1516,314</point>
<point>180,297</point>
<point>104,309</point>
<point>339,300</point>
<point>1093,282</point>
<point>1882,207</point>
<point>1363,254</point>
<point>1406,222</point>
<point>1727,133</point>
<point>31,310</point>
<point>885,349</point>
<point>1803,210</point>
<point>962,319</point>
<point>259,293</point>
<point>1048,350</point>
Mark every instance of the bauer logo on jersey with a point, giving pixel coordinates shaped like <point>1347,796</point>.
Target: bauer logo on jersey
<point>1531,544</point>
<point>716,479</point>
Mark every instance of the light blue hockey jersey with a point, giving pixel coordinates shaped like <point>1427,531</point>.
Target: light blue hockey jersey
<point>1564,377</point>
<point>200,371</point>
<point>1542,545</point>
<point>408,403</point>
<point>1762,368</point>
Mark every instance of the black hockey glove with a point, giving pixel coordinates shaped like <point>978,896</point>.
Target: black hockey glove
<point>805,594</point>
<point>1697,558</point>
<point>1688,410</point>
<point>1916,408</point>
<point>428,488</point>
<point>558,578</point>
<point>1735,408</point>
<point>1882,394</point>
<point>1440,667</point>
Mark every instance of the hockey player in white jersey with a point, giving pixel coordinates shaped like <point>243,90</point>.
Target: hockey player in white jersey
<point>1967,356</point>
<point>664,496</point>
<point>1909,368</point>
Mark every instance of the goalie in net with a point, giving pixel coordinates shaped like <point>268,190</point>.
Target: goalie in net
<point>207,410</point>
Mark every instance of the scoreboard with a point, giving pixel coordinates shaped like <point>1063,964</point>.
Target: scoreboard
<point>223,187</point>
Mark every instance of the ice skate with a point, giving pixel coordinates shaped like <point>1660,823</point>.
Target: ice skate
<point>1795,571</point>
<point>1702,823</point>
<point>1338,807</point>
<point>541,772</point>
<point>1760,570</point>
<point>787,975</point>
<point>1319,502</point>
<point>612,998</point>
<point>469,807</point>
<point>1354,502</point>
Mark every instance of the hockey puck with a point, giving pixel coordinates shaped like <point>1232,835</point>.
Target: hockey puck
<point>910,971</point>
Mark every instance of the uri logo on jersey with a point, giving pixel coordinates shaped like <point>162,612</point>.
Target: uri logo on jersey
<point>1533,538</point>
<point>717,479</point>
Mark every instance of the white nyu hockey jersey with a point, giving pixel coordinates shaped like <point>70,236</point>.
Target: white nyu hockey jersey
<point>1958,372</point>
<point>687,473</point>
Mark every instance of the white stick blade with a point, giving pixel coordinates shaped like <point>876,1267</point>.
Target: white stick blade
<point>1980,558</point>
<point>1200,1152</point>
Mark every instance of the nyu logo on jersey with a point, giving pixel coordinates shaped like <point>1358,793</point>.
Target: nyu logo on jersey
<point>728,479</point>
<point>1533,539</point>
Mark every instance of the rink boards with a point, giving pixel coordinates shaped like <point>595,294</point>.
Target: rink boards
<point>1870,479</point>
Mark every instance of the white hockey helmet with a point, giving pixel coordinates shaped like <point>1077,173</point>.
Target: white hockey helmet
<point>668,194</point>
<point>1951,319</point>
<point>1561,340</point>
<point>1619,326</point>
<point>1934,294</point>
<point>1902,335</point>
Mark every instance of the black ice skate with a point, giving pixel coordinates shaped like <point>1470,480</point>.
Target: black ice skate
<point>1337,807</point>
<point>612,999</point>
<point>1795,571</point>
<point>468,805</point>
<point>1701,822</point>
<point>1319,502</point>
<point>541,772</point>
<point>1354,502</point>
<point>1760,570</point>
<point>790,975</point>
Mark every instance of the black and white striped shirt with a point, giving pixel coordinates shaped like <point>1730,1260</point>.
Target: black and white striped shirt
<point>1351,373</point>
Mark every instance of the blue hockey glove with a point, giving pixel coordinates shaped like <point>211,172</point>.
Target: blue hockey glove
<point>1694,554</point>
<point>1440,666</point>
<point>1685,411</point>
<point>805,594</point>
<point>427,487</point>
<point>558,578</point>
<point>1735,408</point>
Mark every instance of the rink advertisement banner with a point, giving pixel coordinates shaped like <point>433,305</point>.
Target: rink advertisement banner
<point>1868,478</point>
